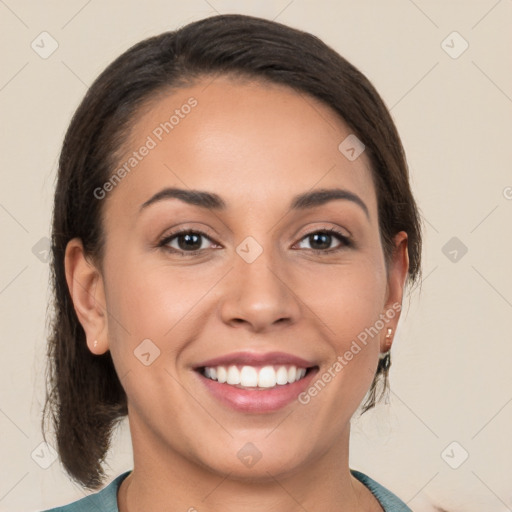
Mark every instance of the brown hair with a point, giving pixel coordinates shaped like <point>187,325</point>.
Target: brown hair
<point>85,397</point>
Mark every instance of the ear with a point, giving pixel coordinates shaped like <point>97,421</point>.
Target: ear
<point>397,275</point>
<point>86,288</point>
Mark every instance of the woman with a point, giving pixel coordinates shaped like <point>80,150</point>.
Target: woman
<point>233,231</point>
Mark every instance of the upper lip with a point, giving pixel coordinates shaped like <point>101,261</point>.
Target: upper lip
<point>256,359</point>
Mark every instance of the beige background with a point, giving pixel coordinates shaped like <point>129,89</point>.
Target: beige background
<point>451,377</point>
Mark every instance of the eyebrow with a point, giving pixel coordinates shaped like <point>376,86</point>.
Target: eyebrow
<point>212,201</point>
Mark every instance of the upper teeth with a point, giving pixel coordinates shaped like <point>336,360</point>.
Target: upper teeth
<point>250,376</point>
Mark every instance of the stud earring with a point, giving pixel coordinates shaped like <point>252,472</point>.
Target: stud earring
<point>95,344</point>
<point>385,357</point>
<point>387,345</point>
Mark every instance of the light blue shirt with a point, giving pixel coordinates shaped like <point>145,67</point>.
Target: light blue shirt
<point>106,499</point>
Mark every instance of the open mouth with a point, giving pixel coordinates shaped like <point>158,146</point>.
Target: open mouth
<point>255,377</point>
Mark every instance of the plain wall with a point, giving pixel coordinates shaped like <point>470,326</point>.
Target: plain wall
<point>451,379</point>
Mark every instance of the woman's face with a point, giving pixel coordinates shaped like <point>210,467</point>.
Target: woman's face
<point>270,282</point>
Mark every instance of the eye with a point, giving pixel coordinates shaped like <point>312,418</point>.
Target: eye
<point>322,240</point>
<point>186,241</point>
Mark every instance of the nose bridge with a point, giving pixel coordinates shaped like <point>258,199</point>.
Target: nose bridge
<point>257,293</point>
<point>258,271</point>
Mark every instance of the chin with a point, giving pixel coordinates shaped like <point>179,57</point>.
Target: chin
<point>262,460</point>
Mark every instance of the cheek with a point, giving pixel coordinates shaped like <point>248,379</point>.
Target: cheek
<point>140,305</point>
<point>147,298</point>
<point>349,301</point>
<point>348,298</point>
<point>152,301</point>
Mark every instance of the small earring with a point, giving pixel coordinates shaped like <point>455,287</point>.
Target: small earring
<point>95,344</point>
<point>387,345</point>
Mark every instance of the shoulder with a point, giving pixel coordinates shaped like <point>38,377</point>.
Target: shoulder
<point>101,501</point>
<point>388,501</point>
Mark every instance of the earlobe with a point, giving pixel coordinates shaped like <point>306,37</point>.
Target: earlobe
<point>397,276</point>
<point>86,288</point>
<point>388,341</point>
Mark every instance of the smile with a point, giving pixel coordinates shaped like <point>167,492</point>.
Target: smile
<point>256,383</point>
<point>253,377</point>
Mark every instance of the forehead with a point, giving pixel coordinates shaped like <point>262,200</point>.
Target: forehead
<point>247,141</point>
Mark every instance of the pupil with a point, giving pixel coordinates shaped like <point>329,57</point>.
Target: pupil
<point>322,239</point>
<point>190,241</point>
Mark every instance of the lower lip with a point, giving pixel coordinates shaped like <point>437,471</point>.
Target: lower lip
<point>257,400</point>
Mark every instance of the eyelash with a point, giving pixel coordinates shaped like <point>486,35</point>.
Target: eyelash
<point>346,242</point>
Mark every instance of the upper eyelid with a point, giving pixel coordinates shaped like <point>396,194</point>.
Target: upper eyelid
<point>204,233</point>
<point>342,238</point>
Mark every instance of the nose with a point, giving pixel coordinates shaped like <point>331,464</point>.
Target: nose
<point>259,295</point>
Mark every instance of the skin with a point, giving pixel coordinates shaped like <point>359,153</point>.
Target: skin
<point>255,145</point>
